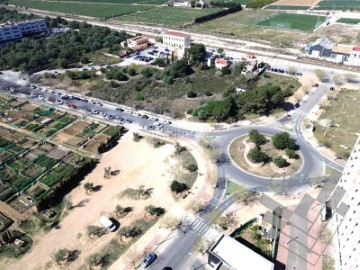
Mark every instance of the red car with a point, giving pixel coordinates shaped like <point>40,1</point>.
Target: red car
<point>73,106</point>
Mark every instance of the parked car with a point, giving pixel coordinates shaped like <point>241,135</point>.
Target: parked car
<point>119,110</point>
<point>107,223</point>
<point>149,259</point>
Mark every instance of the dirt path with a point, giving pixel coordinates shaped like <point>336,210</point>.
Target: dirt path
<point>138,164</point>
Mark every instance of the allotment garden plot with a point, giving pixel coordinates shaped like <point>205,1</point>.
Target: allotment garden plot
<point>93,9</point>
<point>33,158</point>
<point>293,21</point>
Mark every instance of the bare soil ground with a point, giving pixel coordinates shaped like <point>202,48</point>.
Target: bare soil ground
<point>297,2</point>
<point>139,164</point>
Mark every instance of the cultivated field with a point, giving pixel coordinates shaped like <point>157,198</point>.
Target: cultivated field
<point>293,5</point>
<point>348,20</point>
<point>338,4</point>
<point>149,2</point>
<point>85,9</point>
<point>293,21</point>
<point>339,124</point>
<point>167,16</point>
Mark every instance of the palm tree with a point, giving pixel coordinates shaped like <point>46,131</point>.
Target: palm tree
<point>107,172</point>
<point>88,187</point>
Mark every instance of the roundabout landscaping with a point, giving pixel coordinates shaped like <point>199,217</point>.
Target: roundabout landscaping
<point>266,156</point>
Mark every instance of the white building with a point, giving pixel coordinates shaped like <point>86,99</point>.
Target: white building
<point>138,42</point>
<point>347,226</point>
<point>176,40</point>
<point>354,58</point>
<point>17,30</point>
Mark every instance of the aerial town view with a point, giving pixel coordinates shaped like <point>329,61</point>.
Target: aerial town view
<point>180,134</point>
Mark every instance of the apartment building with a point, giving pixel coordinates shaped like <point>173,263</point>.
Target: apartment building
<point>347,224</point>
<point>176,40</point>
<point>11,31</point>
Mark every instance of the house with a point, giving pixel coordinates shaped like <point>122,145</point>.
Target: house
<point>176,40</point>
<point>220,63</point>
<point>320,48</point>
<point>231,254</point>
<point>354,58</point>
<point>138,42</point>
<point>340,53</point>
<point>301,43</point>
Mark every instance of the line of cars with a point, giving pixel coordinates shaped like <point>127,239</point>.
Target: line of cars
<point>279,70</point>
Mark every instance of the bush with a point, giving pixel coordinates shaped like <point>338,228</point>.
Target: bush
<point>291,154</point>
<point>282,141</point>
<point>84,60</point>
<point>131,72</point>
<point>225,71</point>
<point>146,72</point>
<point>208,93</point>
<point>191,94</point>
<point>153,210</point>
<point>280,162</point>
<point>192,168</point>
<point>178,187</point>
<point>137,137</point>
<point>115,74</point>
<point>258,156</point>
<point>256,137</point>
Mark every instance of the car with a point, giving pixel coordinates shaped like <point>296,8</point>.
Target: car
<point>107,223</point>
<point>151,127</point>
<point>93,68</point>
<point>119,110</point>
<point>145,116</point>
<point>332,88</point>
<point>73,106</point>
<point>157,124</point>
<point>85,69</point>
<point>100,104</point>
<point>316,85</point>
<point>297,105</point>
<point>149,259</point>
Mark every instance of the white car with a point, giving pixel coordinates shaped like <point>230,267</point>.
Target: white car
<point>107,223</point>
<point>157,124</point>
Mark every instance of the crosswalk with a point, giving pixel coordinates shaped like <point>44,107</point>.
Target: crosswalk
<point>200,227</point>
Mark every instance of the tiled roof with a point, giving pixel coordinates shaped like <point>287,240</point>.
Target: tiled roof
<point>177,34</point>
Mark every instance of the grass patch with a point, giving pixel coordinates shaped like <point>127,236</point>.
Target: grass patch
<point>252,235</point>
<point>186,172</point>
<point>338,124</point>
<point>232,188</point>
<point>293,21</point>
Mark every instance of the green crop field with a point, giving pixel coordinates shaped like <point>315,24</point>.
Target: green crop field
<point>348,20</point>
<point>167,15</point>
<point>278,7</point>
<point>338,4</point>
<point>293,21</point>
<point>84,9</point>
<point>149,2</point>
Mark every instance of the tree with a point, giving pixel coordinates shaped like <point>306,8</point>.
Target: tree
<point>122,211</point>
<point>258,156</point>
<point>84,60</point>
<point>196,53</point>
<point>191,94</point>
<point>256,137</point>
<point>320,74</point>
<point>179,69</point>
<point>97,231</point>
<point>107,172</point>
<point>179,148</point>
<point>282,141</point>
<point>225,71</point>
<point>280,162</point>
<point>178,187</point>
<point>65,255</point>
<point>88,187</point>
<point>192,167</point>
<point>291,154</point>
<point>146,72</point>
<point>131,72</point>
<point>171,223</point>
<point>161,62</point>
<point>130,231</point>
<point>68,202</point>
<point>63,63</point>
<point>153,210</point>
<point>99,259</point>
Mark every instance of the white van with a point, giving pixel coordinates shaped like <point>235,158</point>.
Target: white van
<point>107,223</point>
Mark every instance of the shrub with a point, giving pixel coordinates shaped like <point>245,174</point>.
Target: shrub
<point>192,168</point>
<point>291,154</point>
<point>153,210</point>
<point>191,94</point>
<point>280,162</point>
<point>282,141</point>
<point>84,60</point>
<point>146,72</point>
<point>131,72</point>
<point>137,137</point>
<point>256,137</point>
<point>258,156</point>
<point>208,93</point>
<point>178,187</point>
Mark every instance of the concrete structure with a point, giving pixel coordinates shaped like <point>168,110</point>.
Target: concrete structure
<point>320,48</point>
<point>231,254</point>
<point>176,40</point>
<point>138,42</point>
<point>12,31</point>
<point>340,53</point>
<point>347,226</point>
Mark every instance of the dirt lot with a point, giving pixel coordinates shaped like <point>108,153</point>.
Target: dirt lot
<point>138,163</point>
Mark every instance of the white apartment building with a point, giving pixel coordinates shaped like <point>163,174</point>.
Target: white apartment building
<point>354,58</point>
<point>16,30</point>
<point>176,40</point>
<point>347,233</point>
